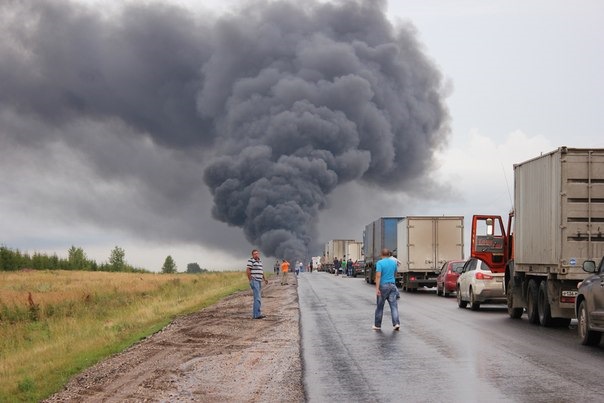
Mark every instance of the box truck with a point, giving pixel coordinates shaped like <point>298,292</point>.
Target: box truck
<point>379,234</point>
<point>424,244</point>
<point>557,223</point>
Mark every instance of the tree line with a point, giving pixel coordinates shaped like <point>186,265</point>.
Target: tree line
<point>14,259</point>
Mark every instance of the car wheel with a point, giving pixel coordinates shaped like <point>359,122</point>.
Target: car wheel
<point>531,302</point>
<point>515,313</point>
<point>460,302</point>
<point>543,308</point>
<point>587,337</point>
<point>474,305</point>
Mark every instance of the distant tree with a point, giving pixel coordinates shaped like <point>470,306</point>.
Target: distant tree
<point>77,259</point>
<point>117,260</point>
<point>193,268</point>
<point>169,265</point>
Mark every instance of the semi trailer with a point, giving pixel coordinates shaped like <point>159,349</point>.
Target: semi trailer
<point>556,224</point>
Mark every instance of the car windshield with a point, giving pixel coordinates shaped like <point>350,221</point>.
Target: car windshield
<point>456,267</point>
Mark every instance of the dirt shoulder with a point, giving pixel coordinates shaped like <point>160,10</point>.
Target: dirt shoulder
<point>216,354</point>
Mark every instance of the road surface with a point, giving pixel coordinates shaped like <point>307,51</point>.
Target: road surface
<point>442,353</point>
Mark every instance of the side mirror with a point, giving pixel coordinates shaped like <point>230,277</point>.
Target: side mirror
<point>589,266</point>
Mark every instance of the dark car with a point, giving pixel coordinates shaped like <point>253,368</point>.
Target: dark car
<point>358,268</point>
<point>589,304</point>
<point>446,282</point>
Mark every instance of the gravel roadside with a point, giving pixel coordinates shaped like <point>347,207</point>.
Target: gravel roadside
<point>216,354</point>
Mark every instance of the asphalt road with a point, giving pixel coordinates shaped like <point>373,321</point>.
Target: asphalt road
<point>441,354</point>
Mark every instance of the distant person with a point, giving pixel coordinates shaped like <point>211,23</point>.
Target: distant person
<point>255,274</point>
<point>386,290</point>
<point>276,267</point>
<point>284,271</point>
<point>343,265</point>
<point>310,266</point>
<point>349,267</point>
<point>297,268</point>
<point>336,265</point>
<point>301,267</point>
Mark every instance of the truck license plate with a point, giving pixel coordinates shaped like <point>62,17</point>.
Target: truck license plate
<point>567,293</point>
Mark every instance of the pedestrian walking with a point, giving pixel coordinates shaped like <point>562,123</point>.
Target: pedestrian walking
<point>297,268</point>
<point>349,267</point>
<point>255,275</point>
<point>386,290</point>
<point>310,266</point>
<point>336,265</point>
<point>343,265</point>
<point>276,267</point>
<point>284,271</point>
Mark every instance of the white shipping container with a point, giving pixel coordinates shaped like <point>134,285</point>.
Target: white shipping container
<point>559,210</point>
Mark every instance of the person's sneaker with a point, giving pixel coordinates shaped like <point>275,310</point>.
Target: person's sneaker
<point>397,327</point>
<point>374,327</point>
<point>260,317</point>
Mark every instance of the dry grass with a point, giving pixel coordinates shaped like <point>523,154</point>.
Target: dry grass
<point>55,323</point>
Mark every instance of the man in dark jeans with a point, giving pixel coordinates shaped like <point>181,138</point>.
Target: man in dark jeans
<point>385,288</point>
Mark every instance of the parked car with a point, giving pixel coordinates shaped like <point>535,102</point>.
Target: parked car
<point>589,304</point>
<point>477,284</point>
<point>446,282</point>
<point>358,268</point>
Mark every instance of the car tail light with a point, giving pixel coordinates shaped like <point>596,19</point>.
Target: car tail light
<point>412,278</point>
<point>568,300</point>
<point>482,276</point>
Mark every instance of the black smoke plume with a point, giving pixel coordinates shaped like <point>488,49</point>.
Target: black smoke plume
<point>275,105</point>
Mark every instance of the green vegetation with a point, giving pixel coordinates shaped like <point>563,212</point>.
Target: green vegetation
<point>12,260</point>
<point>54,324</point>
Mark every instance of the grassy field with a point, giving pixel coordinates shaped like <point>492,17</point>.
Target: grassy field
<point>53,324</point>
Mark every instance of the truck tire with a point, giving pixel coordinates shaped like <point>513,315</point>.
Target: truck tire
<point>543,308</point>
<point>587,337</point>
<point>461,303</point>
<point>515,313</point>
<point>474,305</point>
<point>532,310</point>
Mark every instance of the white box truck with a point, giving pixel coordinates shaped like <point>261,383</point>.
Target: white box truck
<point>424,244</point>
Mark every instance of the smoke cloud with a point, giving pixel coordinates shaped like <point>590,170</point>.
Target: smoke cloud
<point>272,107</point>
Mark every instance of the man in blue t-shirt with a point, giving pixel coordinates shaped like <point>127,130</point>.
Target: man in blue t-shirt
<point>385,287</point>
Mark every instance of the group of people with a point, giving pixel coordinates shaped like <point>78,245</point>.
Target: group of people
<point>345,266</point>
<point>385,284</point>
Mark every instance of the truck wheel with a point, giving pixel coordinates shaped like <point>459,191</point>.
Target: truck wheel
<point>543,308</point>
<point>460,302</point>
<point>515,313</point>
<point>474,305</point>
<point>587,337</point>
<point>531,302</point>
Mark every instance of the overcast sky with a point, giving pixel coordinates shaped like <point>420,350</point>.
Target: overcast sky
<point>522,78</point>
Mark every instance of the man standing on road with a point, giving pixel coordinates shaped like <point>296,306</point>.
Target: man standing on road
<point>386,290</point>
<point>284,271</point>
<point>255,274</point>
<point>349,267</point>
